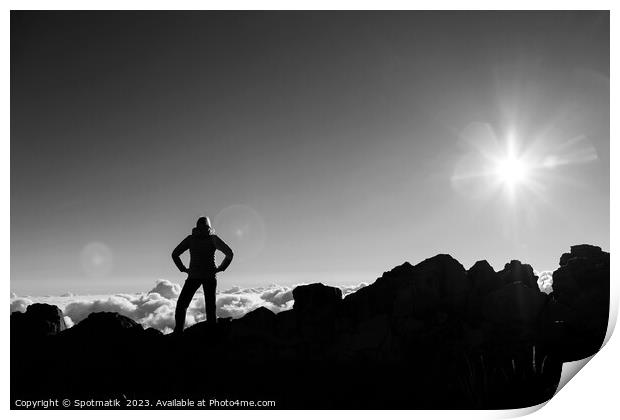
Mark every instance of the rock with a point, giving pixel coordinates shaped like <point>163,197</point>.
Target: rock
<point>413,291</point>
<point>39,320</point>
<point>106,326</point>
<point>316,297</point>
<point>448,274</point>
<point>583,278</point>
<point>483,278</point>
<point>380,297</point>
<point>439,283</point>
<point>260,321</point>
<point>371,334</point>
<point>581,284</point>
<point>564,258</point>
<point>202,332</point>
<point>286,324</point>
<point>225,320</point>
<point>471,339</point>
<point>316,309</point>
<point>582,251</point>
<point>515,271</point>
<point>408,326</point>
<point>515,308</point>
<point>152,332</point>
<point>557,332</point>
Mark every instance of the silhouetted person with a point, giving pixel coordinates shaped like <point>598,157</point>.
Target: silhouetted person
<point>202,245</point>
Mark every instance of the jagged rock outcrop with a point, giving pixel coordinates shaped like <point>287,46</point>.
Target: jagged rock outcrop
<point>39,320</point>
<point>468,338</point>
<point>316,297</point>
<point>507,304</point>
<point>482,278</point>
<point>514,311</point>
<point>260,321</point>
<point>582,251</point>
<point>579,304</point>
<point>105,326</point>
<point>515,272</point>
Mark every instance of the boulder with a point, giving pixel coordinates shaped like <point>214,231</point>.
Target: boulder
<point>583,280</point>
<point>581,284</point>
<point>105,326</point>
<point>581,251</point>
<point>316,309</point>
<point>39,320</point>
<point>316,297</point>
<point>515,271</point>
<point>564,258</point>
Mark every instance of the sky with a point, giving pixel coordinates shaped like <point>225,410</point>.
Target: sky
<point>324,146</point>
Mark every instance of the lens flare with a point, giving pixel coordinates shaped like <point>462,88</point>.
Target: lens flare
<point>243,229</point>
<point>97,259</point>
<point>512,171</point>
<point>522,171</point>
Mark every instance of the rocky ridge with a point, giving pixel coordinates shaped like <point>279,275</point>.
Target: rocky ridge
<point>430,335</point>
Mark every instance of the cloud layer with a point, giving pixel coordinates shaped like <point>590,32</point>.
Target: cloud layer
<point>545,281</point>
<point>155,308</point>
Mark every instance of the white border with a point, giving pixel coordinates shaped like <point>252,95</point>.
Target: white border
<point>593,394</point>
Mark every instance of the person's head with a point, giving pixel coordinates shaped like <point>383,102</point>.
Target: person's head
<point>203,222</point>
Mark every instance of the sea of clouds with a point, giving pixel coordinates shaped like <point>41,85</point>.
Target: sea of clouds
<point>545,281</point>
<point>155,308</point>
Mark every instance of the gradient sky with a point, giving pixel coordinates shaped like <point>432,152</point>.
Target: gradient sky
<point>324,146</point>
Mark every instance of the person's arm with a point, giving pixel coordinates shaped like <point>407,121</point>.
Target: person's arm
<point>228,254</point>
<point>176,254</point>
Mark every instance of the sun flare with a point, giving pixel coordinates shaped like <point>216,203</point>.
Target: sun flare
<point>512,171</point>
<point>518,171</point>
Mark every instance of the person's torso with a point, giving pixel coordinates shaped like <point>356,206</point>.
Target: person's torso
<point>201,255</point>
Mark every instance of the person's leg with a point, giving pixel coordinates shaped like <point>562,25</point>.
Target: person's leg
<point>209,287</point>
<point>185,298</point>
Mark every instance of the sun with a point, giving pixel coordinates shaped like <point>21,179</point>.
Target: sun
<point>520,167</point>
<point>511,171</point>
